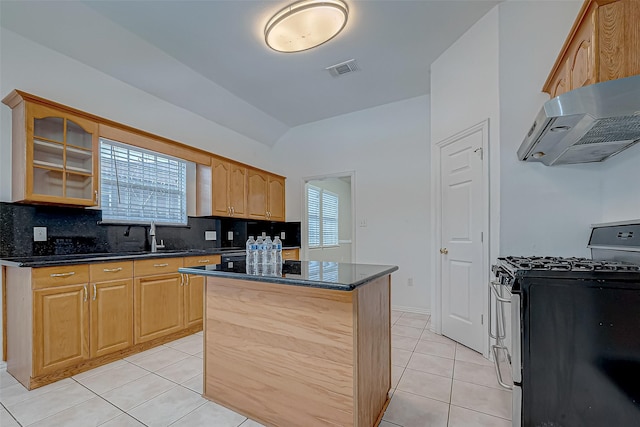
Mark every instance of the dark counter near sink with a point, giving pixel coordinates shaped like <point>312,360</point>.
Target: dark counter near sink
<point>78,235</point>
<point>55,260</point>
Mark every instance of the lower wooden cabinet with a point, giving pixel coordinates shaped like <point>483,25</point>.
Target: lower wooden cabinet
<point>158,306</point>
<point>61,328</point>
<point>65,320</point>
<point>111,317</point>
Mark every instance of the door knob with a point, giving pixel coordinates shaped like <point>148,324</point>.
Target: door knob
<point>444,251</point>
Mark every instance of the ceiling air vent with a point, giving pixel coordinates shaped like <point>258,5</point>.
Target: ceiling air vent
<point>342,68</point>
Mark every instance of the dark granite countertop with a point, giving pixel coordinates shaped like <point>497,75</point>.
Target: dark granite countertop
<point>55,260</point>
<point>316,274</point>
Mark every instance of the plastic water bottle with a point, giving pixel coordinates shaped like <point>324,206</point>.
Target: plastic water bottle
<point>251,255</point>
<point>277,248</point>
<point>259,255</point>
<point>267,257</point>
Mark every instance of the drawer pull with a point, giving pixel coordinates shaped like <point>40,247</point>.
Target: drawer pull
<point>112,270</point>
<point>71,273</point>
<point>160,265</point>
<point>202,261</point>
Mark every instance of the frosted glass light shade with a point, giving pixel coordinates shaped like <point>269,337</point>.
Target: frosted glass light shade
<point>305,24</point>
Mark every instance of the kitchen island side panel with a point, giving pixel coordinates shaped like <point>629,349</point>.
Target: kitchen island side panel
<point>373,349</point>
<point>282,355</point>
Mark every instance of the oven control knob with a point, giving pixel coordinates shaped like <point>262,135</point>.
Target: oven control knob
<point>444,251</point>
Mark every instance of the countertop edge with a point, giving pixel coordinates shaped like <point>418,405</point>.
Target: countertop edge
<point>292,281</point>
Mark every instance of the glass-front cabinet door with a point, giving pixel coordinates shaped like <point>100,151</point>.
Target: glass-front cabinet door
<point>61,160</point>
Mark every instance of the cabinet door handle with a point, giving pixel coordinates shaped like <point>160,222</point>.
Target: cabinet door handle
<point>203,261</point>
<point>71,273</point>
<point>161,265</point>
<point>233,210</point>
<point>181,279</point>
<point>188,279</point>
<point>85,293</point>
<point>95,292</point>
<point>96,195</point>
<point>112,270</point>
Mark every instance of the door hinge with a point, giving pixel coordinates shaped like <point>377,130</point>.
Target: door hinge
<point>482,236</point>
<point>482,319</point>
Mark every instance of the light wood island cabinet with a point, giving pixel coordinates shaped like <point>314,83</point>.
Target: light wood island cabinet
<point>603,44</point>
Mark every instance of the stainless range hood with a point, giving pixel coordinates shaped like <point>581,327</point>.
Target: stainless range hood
<point>588,124</point>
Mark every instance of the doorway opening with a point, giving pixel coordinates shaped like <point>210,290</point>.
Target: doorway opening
<point>328,218</point>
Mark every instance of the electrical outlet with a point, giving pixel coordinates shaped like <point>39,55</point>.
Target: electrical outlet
<point>210,235</point>
<point>282,234</point>
<point>410,281</point>
<point>39,234</point>
<point>362,223</point>
<point>229,235</point>
<point>264,234</point>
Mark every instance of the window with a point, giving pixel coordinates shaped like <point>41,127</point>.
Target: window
<point>138,186</point>
<point>322,212</point>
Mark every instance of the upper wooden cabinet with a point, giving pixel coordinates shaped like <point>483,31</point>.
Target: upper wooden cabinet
<point>54,154</point>
<point>229,188</point>
<point>265,196</point>
<point>603,44</point>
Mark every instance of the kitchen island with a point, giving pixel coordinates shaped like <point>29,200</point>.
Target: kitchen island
<point>310,347</point>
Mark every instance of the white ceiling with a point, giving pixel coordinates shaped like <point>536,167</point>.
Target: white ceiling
<point>210,57</point>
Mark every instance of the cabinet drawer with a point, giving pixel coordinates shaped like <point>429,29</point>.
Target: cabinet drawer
<point>291,254</point>
<point>149,267</point>
<point>194,261</point>
<point>45,277</point>
<point>111,271</point>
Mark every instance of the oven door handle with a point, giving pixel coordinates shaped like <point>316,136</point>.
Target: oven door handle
<point>496,363</point>
<point>494,289</point>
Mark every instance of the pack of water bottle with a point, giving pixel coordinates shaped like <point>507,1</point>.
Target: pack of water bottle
<point>264,256</point>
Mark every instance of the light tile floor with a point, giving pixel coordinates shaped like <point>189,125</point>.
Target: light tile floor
<point>435,382</point>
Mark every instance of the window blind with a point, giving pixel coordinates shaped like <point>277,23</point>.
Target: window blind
<point>329,218</point>
<point>322,217</point>
<point>137,185</point>
<point>313,206</point>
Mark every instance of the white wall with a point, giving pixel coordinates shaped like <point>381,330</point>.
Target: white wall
<point>464,92</point>
<point>342,252</point>
<point>388,148</point>
<point>544,210</point>
<point>620,193</point>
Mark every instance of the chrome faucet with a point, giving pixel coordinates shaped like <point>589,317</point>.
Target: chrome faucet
<point>152,234</point>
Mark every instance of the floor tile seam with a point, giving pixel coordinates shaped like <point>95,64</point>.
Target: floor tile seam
<point>431,354</point>
<point>35,397</point>
<point>62,410</point>
<point>107,401</point>
<point>430,373</point>
<point>475,363</point>
<point>151,398</point>
<point>438,342</point>
<point>10,414</point>
<point>485,386</point>
<point>496,387</point>
<point>119,385</point>
<point>195,409</point>
<point>480,412</point>
<point>423,396</point>
<point>95,374</point>
<point>145,401</point>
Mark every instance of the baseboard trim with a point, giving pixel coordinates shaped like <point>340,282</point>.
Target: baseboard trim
<point>411,309</point>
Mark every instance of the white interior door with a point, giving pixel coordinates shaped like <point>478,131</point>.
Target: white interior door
<point>461,250</point>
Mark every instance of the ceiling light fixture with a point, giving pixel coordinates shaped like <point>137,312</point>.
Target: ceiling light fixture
<point>305,24</point>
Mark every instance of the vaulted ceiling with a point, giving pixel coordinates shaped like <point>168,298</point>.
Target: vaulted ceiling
<point>209,57</point>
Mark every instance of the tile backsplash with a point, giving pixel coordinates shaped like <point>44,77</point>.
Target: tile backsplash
<point>78,230</point>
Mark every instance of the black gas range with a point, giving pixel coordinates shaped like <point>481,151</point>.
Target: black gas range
<point>569,330</point>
